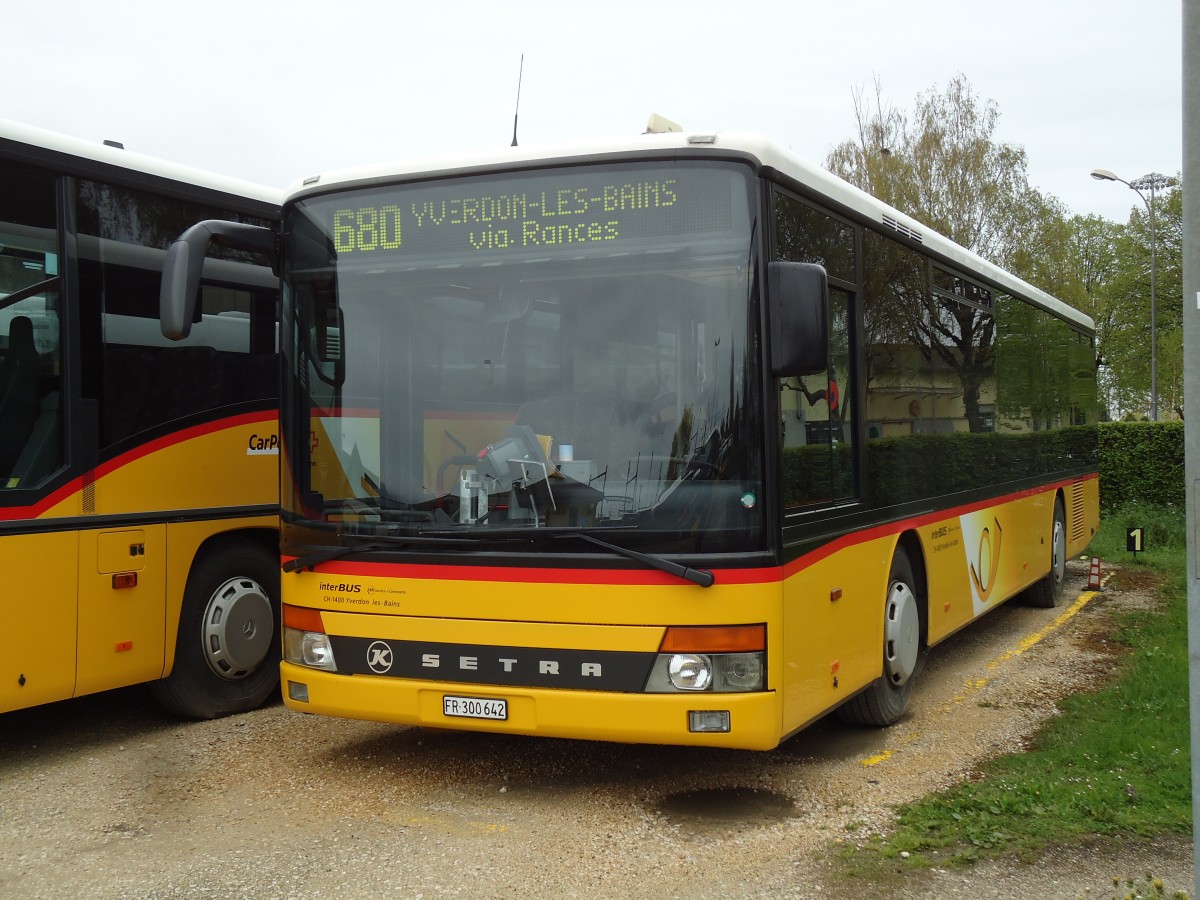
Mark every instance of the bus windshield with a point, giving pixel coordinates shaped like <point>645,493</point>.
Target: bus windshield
<point>564,348</point>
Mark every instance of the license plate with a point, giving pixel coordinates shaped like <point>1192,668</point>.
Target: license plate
<point>474,707</point>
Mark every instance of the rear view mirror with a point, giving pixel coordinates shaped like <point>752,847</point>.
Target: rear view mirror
<point>325,328</point>
<point>182,268</point>
<point>799,318</point>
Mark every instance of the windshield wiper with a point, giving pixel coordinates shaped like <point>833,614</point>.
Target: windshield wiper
<point>702,577</point>
<point>325,554</point>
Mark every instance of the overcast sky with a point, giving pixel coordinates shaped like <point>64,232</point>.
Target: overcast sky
<point>276,90</point>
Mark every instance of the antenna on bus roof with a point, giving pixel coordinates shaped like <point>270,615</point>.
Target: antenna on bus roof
<point>520,75</point>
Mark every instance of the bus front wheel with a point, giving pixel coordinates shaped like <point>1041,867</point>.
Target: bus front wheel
<point>227,652</point>
<point>885,700</point>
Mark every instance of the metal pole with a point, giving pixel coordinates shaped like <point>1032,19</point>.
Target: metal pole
<point>1153,305</point>
<point>1136,185</point>
<point>1191,380</point>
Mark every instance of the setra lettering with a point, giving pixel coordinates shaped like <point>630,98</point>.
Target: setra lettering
<point>509,665</point>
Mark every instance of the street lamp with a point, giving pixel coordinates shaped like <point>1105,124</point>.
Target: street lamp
<point>1151,182</point>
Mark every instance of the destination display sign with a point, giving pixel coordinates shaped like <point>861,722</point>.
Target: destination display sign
<point>560,210</point>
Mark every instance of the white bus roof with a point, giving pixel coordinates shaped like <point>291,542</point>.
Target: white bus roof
<point>46,143</point>
<point>840,194</point>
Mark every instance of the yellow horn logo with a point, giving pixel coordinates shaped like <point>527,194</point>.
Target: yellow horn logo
<point>989,555</point>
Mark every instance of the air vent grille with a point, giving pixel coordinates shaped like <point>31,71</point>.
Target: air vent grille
<point>1077,508</point>
<point>903,229</point>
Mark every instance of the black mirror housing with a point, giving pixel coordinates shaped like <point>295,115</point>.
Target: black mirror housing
<point>180,287</point>
<point>797,302</point>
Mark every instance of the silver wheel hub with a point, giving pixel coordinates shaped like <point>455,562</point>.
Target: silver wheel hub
<point>238,628</point>
<point>1058,552</point>
<point>902,634</point>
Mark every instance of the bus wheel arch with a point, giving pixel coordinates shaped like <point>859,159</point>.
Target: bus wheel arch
<point>1049,590</point>
<point>905,629</point>
<point>228,646</point>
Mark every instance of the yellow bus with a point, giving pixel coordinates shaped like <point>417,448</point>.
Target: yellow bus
<point>675,440</point>
<point>138,476</point>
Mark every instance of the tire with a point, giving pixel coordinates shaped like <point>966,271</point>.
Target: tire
<point>227,653</point>
<point>1048,592</point>
<point>885,700</point>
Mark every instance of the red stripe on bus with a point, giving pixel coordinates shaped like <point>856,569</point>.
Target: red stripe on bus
<point>881,531</point>
<point>757,575</point>
<point>75,485</point>
<point>526,575</point>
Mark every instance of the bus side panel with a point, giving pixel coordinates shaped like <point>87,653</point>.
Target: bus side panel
<point>122,574</point>
<point>37,604</point>
<point>978,559</point>
<point>982,557</point>
<point>973,561</point>
<point>833,629</point>
<point>225,464</point>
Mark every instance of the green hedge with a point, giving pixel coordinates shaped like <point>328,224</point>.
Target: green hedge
<point>1141,462</point>
<point>910,468</point>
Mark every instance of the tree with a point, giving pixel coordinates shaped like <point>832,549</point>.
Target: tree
<point>1126,306</point>
<point>1091,245</point>
<point>943,166</point>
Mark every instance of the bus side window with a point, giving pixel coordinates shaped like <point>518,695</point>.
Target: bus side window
<point>817,412</point>
<point>146,380</point>
<point>30,330</point>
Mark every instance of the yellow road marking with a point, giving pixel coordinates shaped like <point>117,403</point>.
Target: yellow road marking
<point>877,758</point>
<point>973,685</point>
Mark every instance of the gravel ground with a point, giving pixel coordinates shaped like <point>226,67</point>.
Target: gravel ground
<point>108,797</point>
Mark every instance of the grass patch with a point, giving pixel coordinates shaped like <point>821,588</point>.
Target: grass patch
<point>1115,763</point>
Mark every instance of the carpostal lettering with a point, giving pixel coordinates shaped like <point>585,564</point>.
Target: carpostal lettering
<point>263,445</point>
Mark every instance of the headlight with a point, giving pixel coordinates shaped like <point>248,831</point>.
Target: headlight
<point>689,671</point>
<point>308,648</point>
<point>712,672</point>
<point>713,658</point>
<point>739,671</point>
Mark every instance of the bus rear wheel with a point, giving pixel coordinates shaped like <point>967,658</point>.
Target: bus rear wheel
<point>1048,592</point>
<point>227,652</point>
<point>886,699</point>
